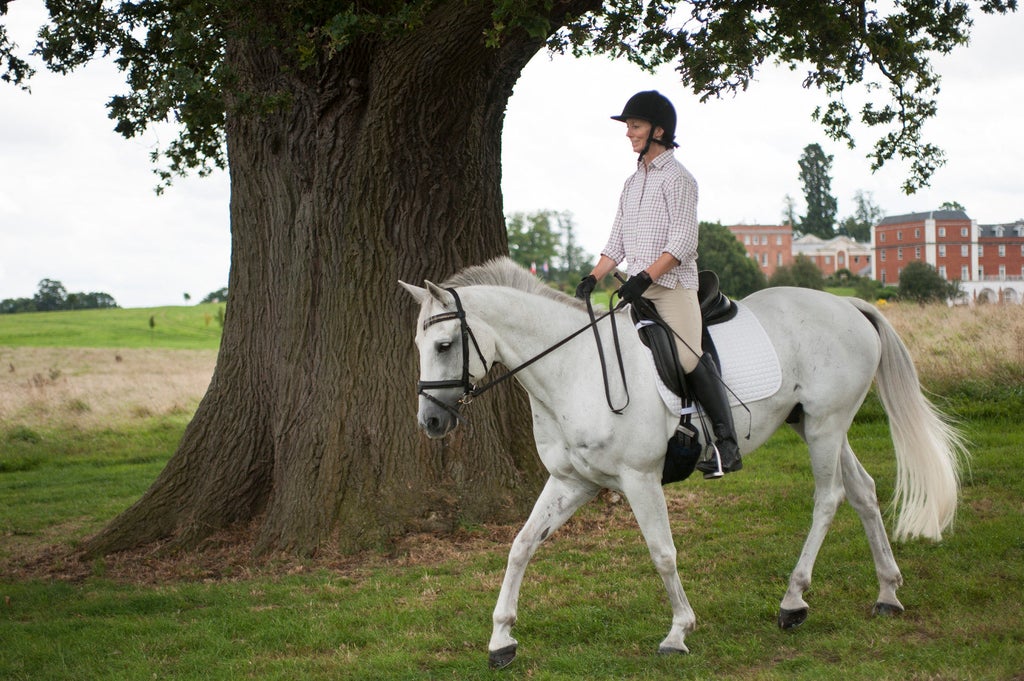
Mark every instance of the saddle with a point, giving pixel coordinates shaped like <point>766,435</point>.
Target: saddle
<point>715,308</point>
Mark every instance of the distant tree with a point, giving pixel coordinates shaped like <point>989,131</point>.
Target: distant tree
<point>187,296</point>
<point>719,250</point>
<point>815,167</point>
<point>89,301</point>
<point>803,272</point>
<point>789,212</point>
<point>533,238</point>
<point>866,214</point>
<point>952,205</point>
<point>547,240</point>
<point>15,305</point>
<point>922,283</point>
<point>218,296</point>
<point>51,296</point>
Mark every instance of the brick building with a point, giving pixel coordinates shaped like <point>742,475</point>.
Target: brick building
<point>944,239</point>
<point>1001,252</point>
<point>987,260</point>
<point>837,253</point>
<point>773,246</point>
<point>770,246</point>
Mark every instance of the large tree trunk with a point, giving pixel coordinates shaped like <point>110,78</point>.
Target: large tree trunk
<point>383,164</point>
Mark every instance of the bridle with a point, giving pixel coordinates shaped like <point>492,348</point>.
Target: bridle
<point>471,391</point>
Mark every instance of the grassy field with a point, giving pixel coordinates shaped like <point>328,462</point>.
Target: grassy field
<point>592,605</point>
<point>193,327</point>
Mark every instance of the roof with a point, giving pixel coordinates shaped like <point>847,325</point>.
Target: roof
<point>921,217</point>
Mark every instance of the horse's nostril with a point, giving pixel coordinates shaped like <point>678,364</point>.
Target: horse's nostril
<point>433,423</point>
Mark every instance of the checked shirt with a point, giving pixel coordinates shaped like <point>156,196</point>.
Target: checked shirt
<point>657,214</point>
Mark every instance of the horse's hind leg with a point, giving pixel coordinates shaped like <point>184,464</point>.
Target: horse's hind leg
<point>825,446</point>
<point>557,502</point>
<point>648,503</point>
<point>860,490</point>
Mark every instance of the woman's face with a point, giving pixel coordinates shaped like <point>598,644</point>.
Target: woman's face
<point>638,131</point>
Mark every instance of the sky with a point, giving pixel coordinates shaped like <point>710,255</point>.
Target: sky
<point>77,201</point>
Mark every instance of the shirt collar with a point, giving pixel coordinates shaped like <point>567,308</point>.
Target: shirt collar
<point>660,160</point>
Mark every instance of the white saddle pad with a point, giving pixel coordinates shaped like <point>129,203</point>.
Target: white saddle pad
<point>750,367</point>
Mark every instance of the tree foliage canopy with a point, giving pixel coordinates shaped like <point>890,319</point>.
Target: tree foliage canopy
<point>545,242</point>
<point>53,296</point>
<point>922,283</point>
<point>172,54</point>
<point>803,272</point>
<point>720,251</point>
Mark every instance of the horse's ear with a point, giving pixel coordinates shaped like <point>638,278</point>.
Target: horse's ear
<point>440,295</point>
<point>420,294</point>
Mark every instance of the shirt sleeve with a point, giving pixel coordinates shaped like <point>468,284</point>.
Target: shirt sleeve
<point>681,204</point>
<point>615,248</point>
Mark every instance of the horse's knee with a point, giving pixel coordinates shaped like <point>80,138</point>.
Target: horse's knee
<point>664,559</point>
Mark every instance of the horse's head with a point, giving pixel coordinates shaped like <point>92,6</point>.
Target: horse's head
<point>453,356</point>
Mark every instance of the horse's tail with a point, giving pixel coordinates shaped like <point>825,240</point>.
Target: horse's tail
<point>929,448</point>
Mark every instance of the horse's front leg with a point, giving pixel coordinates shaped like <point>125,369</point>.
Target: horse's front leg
<point>648,503</point>
<point>559,499</point>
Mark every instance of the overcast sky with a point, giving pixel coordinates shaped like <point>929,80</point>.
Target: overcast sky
<point>77,201</point>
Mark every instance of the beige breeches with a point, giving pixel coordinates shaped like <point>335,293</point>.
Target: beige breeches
<point>680,308</point>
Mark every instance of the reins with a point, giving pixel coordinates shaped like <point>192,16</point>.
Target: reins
<point>471,391</point>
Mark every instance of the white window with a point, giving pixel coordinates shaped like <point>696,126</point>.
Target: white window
<point>917,253</point>
<point>942,271</point>
<point>778,240</point>
<point>882,258</point>
<point>942,250</point>
<point>899,254</point>
<point>965,273</point>
<point>942,231</point>
<point>963,231</point>
<point>965,252</point>
<point>899,236</point>
<point>917,233</point>
<point>1002,271</point>
<point>746,240</point>
<point>1002,250</point>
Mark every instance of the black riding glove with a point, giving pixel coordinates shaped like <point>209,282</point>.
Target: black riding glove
<point>632,290</point>
<point>586,287</point>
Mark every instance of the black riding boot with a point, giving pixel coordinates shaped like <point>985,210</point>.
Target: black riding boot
<point>707,388</point>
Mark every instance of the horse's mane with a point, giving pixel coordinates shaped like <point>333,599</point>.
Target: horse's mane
<point>503,271</point>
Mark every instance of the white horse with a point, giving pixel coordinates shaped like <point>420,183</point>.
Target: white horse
<point>829,348</point>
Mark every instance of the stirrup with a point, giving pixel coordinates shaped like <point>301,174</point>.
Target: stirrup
<point>711,467</point>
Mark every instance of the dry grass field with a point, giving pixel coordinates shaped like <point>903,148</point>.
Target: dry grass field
<point>951,345</point>
<point>87,388</point>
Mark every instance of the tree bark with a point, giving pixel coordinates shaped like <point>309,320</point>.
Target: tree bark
<point>383,163</point>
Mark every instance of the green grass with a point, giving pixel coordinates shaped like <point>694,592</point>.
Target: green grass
<point>179,327</point>
<point>592,606</point>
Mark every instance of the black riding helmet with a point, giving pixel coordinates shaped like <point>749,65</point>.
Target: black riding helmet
<point>653,107</point>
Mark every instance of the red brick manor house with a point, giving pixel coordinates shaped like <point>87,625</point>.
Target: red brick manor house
<point>987,260</point>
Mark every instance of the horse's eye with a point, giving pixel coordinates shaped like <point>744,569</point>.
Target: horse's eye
<point>443,347</point>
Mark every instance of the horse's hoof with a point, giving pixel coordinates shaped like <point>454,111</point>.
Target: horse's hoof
<point>501,658</point>
<point>666,650</point>
<point>789,619</point>
<point>886,609</point>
